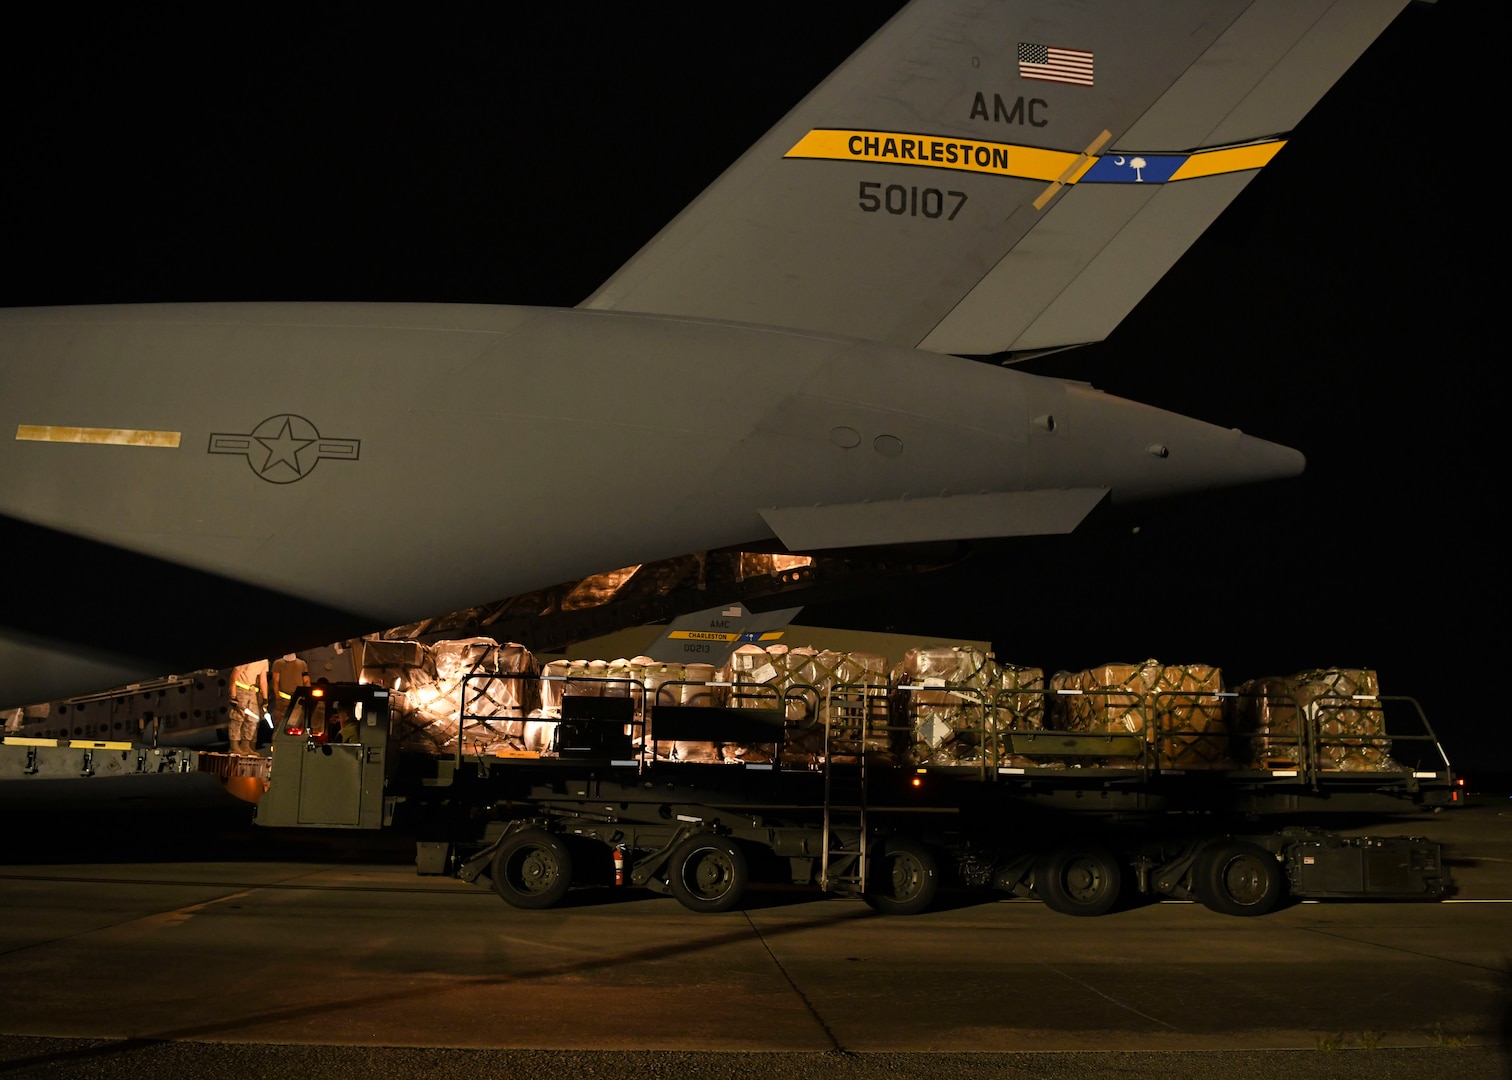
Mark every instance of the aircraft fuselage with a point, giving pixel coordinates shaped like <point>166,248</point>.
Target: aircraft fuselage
<point>395,461</point>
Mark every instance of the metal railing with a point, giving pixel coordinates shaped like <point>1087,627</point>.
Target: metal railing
<point>986,732</point>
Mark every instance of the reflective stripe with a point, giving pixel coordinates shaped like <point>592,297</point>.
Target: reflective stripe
<point>104,436</point>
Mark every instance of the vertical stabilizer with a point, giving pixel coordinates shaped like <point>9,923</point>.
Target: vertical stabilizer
<point>981,177</point>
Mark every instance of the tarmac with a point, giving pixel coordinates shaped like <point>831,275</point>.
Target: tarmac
<point>133,947</point>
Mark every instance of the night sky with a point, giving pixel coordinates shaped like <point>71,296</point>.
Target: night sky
<point>1342,305</point>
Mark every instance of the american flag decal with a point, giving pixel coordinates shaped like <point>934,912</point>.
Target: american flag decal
<point>1054,65</point>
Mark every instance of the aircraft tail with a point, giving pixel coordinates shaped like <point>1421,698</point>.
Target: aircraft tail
<point>1008,176</point>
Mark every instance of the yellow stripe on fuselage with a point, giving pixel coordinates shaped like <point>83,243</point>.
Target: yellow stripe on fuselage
<point>99,436</point>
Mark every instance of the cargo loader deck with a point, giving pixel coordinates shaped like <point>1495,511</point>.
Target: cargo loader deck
<point>1081,821</point>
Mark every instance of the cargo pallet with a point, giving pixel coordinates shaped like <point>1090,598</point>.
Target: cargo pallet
<point>1081,820</point>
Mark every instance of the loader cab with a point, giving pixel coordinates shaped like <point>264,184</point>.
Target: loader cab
<point>331,759</point>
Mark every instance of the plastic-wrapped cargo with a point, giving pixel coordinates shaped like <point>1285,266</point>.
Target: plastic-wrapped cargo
<point>583,678</point>
<point>408,669</point>
<point>964,704</point>
<point>396,664</point>
<point>553,688</point>
<point>847,691</point>
<point>1109,699</point>
<point>1338,703</point>
<point>1176,706</point>
<point>852,691</point>
<point>759,678</point>
<point>496,707</point>
<point>1019,705</point>
<point>1267,719</point>
<point>1188,712</point>
<point>428,683</point>
<point>622,679</point>
<point>681,684</point>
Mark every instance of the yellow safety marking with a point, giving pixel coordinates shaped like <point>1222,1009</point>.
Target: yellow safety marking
<point>87,744</point>
<point>168,920</point>
<point>1076,170</point>
<point>107,436</point>
<point>508,753</point>
<point>1231,159</point>
<point>701,635</point>
<point>936,152</point>
<point>21,740</point>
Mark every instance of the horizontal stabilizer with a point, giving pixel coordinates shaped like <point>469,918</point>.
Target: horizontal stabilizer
<point>952,517</point>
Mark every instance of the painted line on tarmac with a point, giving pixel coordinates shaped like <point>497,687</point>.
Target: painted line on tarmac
<point>1475,901</point>
<point>78,880</point>
<point>1109,997</point>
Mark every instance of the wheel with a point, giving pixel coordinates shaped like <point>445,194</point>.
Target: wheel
<point>532,869</point>
<point>904,878</point>
<point>709,873</point>
<point>1082,880</point>
<point>1235,877</point>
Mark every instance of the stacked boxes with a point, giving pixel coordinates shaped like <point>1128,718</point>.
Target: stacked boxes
<point>846,692</point>
<point>680,684</point>
<point>429,682</point>
<point>409,671</point>
<point>1175,706</point>
<point>1189,715</point>
<point>966,702</point>
<point>495,708</point>
<point>1268,724</point>
<point>960,710</point>
<point>1340,706</point>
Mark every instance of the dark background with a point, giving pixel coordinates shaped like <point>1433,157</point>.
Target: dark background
<point>1343,305</point>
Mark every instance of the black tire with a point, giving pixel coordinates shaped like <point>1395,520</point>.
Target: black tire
<point>1079,880</point>
<point>1235,877</point>
<point>708,873</point>
<point>532,870</point>
<point>903,878</point>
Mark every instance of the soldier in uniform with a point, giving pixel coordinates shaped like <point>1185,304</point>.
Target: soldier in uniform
<point>249,690</point>
<point>284,674</point>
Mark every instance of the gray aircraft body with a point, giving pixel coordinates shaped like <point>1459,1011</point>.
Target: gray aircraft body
<point>784,359</point>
